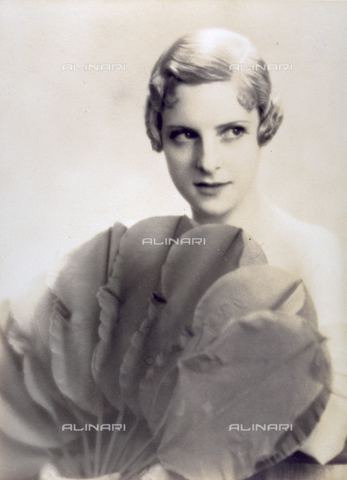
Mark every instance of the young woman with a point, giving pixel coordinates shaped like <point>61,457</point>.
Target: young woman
<point>188,344</point>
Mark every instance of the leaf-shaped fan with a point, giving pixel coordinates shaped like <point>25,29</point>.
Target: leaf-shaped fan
<point>249,289</point>
<point>74,330</point>
<point>71,373</point>
<point>124,300</point>
<point>28,460</point>
<point>253,383</point>
<point>188,272</point>
<point>36,357</point>
<point>34,424</point>
<point>21,418</point>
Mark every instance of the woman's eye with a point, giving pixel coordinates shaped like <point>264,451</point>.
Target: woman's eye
<point>182,136</point>
<point>233,132</point>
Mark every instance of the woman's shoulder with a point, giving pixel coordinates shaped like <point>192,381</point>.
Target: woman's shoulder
<point>310,241</point>
<point>297,246</point>
<point>315,254</point>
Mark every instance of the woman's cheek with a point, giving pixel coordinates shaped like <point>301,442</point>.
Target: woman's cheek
<point>179,157</point>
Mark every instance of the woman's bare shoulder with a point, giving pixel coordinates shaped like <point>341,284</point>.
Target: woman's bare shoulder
<point>300,247</point>
<point>304,236</point>
<point>316,256</point>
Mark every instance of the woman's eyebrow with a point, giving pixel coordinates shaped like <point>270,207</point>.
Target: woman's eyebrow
<point>218,128</point>
<point>171,127</point>
<point>231,124</point>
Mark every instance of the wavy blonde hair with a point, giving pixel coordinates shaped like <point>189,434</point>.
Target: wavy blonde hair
<point>210,56</point>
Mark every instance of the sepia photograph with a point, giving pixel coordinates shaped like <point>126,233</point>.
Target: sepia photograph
<point>173,240</point>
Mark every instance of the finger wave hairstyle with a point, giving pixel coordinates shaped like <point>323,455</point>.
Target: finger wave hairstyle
<point>210,56</point>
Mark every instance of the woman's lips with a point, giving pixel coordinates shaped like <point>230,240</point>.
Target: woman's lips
<point>211,188</point>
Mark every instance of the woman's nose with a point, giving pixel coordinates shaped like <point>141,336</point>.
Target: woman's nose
<point>208,155</point>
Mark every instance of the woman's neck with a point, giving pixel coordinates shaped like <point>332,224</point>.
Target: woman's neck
<point>248,215</point>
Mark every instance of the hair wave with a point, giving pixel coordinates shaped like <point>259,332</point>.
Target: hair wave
<point>208,56</point>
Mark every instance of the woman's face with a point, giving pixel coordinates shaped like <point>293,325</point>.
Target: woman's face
<point>211,148</point>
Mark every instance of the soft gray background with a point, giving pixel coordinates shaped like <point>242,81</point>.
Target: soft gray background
<point>74,154</point>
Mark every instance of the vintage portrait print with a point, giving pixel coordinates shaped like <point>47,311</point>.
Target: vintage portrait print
<point>173,240</point>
